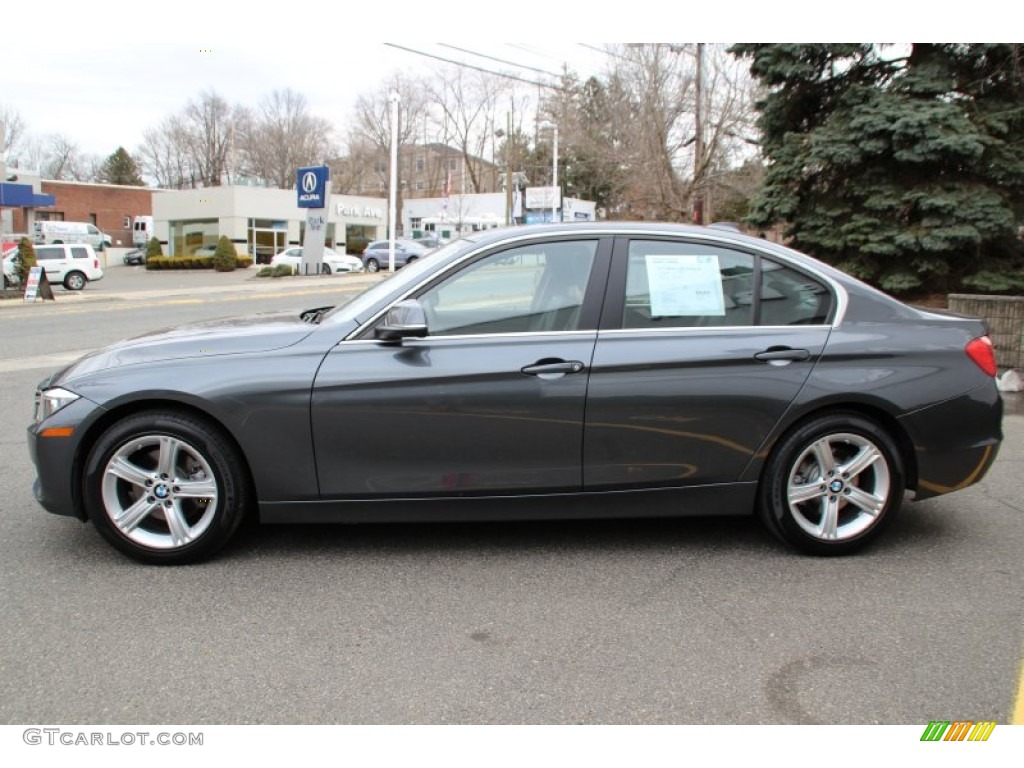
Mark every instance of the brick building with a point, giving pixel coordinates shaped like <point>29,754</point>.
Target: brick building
<point>111,207</point>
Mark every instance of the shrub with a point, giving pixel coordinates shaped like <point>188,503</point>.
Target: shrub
<point>153,249</point>
<point>279,270</point>
<point>26,259</point>
<point>225,258</point>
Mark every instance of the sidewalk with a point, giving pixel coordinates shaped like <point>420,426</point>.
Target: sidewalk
<point>122,283</point>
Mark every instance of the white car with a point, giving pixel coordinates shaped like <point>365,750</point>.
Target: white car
<point>333,263</point>
<point>74,265</point>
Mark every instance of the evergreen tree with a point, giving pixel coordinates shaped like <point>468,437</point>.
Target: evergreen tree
<point>906,170</point>
<point>121,168</point>
<point>153,248</point>
<point>225,258</point>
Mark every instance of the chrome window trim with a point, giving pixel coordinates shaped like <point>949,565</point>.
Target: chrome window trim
<point>712,329</point>
<point>592,333</point>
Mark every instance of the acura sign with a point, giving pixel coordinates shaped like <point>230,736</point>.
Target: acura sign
<point>311,184</point>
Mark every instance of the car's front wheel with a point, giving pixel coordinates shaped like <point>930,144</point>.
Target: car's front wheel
<point>372,265</point>
<point>832,484</point>
<point>74,281</point>
<point>165,487</point>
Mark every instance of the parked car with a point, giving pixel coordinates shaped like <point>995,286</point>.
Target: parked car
<point>376,255</point>
<point>135,257</point>
<point>333,263</point>
<point>70,265</point>
<point>11,262</point>
<point>581,370</point>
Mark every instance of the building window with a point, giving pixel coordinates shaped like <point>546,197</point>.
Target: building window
<point>421,185</point>
<point>92,219</point>
<point>453,164</point>
<point>380,166</point>
<point>187,237</point>
<point>421,165</point>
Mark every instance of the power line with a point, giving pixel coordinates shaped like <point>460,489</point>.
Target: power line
<point>500,61</point>
<point>480,69</point>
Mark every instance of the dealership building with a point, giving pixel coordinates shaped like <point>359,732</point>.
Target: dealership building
<point>260,221</point>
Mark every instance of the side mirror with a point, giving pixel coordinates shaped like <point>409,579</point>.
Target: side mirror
<point>404,320</point>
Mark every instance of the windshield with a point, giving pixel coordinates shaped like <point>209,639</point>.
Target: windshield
<point>407,276</point>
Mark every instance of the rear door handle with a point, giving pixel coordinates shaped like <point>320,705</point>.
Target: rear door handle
<point>782,355</point>
<point>551,369</point>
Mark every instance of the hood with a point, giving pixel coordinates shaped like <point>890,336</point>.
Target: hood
<point>214,338</point>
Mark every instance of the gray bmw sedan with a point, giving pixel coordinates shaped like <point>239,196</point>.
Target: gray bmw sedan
<point>583,370</point>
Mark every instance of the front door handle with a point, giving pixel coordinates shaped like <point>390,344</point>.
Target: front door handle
<point>782,355</point>
<point>550,369</point>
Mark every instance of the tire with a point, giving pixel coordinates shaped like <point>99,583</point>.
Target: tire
<point>74,281</point>
<point>325,269</point>
<point>832,484</point>
<point>165,487</point>
<point>372,265</point>
<point>410,260</point>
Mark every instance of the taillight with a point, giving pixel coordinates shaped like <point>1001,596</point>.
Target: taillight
<point>96,263</point>
<point>981,352</point>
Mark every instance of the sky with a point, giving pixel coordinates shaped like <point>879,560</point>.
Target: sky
<point>101,73</point>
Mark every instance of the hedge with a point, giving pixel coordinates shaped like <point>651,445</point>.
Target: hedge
<point>192,262</point>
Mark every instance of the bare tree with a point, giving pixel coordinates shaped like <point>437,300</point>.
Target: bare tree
<point>193,149</point>
<point>284,136</point>
<point>164,156</point>
<point>635,128</point>
<point>14,131</point>
<point>210,124</point>
<point>467,101</point>
<point>373,121</point>
<point>64,161</point>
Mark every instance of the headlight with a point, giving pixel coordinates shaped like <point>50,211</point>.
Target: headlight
<point>49,401</point>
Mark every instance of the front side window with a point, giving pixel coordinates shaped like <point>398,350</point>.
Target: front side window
<point>532,288</point>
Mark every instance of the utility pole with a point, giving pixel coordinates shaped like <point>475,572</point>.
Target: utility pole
<point>508,171</point>
<point>698,144</point>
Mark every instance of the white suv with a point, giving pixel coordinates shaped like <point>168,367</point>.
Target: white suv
<point>74,265</point>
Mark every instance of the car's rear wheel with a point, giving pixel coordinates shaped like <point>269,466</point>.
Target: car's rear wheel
<point>165,487</point>
<point>832,484</point>
<point>74,281</point>
<point>325,269</point>
<point>372,265</point>
<point>411,259</point>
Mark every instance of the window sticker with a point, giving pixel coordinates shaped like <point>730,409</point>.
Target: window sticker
<point>685,286</point>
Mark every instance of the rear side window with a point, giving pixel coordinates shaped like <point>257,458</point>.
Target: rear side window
<point>49,253</point>
<point>789,297</point>
<point>79,253</point>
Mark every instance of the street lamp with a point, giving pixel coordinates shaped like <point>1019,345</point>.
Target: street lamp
<point>547,125</point>
<point>392,205</point>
